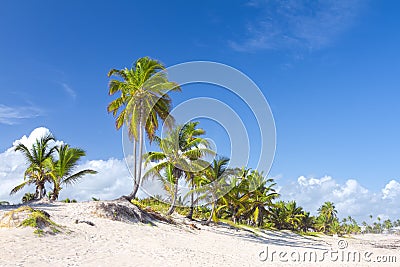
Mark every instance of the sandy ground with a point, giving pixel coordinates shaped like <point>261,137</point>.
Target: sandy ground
<point>114,243</point>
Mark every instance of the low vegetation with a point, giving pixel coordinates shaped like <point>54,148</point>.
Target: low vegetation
<point>26,216</point>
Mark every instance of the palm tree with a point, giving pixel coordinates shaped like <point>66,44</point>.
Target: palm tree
<point>234,201</point>
<point>38,171</point>
<point>328,210</point>
<point>262,194</point>
<point>62,169</point>
<point>142,102</point>
<point>327,216</point>
<point>173,162</point>
<point>279,215</point>
<point>189,139</point>
<point>307,222</point>
<point>211,183</point>
<point>249,199</point>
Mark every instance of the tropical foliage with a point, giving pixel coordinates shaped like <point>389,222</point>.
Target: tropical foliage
<point>184,163</point>
<point>62,169</point>
<point>179,157</point>
<point>143,101</point>
<point>49,163</point>
<point>39,160</point>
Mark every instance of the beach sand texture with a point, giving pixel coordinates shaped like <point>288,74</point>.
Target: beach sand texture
<point>116,243</point>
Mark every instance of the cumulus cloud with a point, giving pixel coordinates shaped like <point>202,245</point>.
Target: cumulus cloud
<point>391,190</point>
<point>350,197</point>
<point>113,178</point>
<point>297,24</point>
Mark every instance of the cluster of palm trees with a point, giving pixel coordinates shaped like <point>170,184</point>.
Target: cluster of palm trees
<point>290,216</point>
<point>49,163</point>
<point>184,157</point>
<point>379,226</point>
<point>143,100</point>
<point>241,195</point>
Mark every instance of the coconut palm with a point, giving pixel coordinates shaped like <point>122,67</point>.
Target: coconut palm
<point>212,182</point>
<point>327,216</point>
<point>328,210</point>
<point>307,222</point>
<point>38,171</point>
<point>287,215</point>
<point>189,139</point>
<point>173,162</point>
<point>233,202</point>
<point>249,198</point>
<point>63,168</point>
<point>142,102</point>
<point>261,194</point>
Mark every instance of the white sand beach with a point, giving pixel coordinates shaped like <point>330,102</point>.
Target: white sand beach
<point>116,243</point>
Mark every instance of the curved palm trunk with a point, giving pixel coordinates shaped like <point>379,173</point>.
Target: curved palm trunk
<point>132,195</point>
<point>172,208</point>
<point>137,165</point>
<point>40,190</point>
<point>214,205</point>
<point>56,189</point>
<point>174,197</point>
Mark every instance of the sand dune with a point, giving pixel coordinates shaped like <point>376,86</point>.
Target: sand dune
<point>116,243</point>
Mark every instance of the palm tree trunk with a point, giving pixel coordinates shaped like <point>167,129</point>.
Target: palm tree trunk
<point>172,208</point>
<point>138,165</point>
<point>190,214</point>
<point>139,177</point>
<point>212,212</point>
<point>132,195</point>
<point>40,191</point>
<point>54,195</point>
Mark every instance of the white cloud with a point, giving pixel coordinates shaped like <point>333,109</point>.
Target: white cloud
<point>391,190</point>
<point>12,115</point>
<point>297,24</point>
<point>350,198</point>
<point>112,180</point>
<point>69,90</point>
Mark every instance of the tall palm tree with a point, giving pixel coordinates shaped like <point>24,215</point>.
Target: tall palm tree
<point>189,139</point>
<point>142,102</point>
<point>38,172</point>
<point>63,168</point>
<point>173,162</point>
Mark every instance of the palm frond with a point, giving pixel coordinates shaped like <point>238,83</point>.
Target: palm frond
<point>75,177</point>
<point>19,187</point>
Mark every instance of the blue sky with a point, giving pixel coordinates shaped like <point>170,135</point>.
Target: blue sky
<point>328,69</point>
